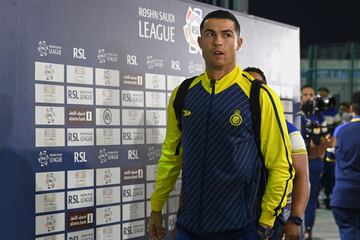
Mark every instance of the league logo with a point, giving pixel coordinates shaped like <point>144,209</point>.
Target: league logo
<point>102,55</point>
<point>192,29</point>
<point>103,155</point>
<point>43,48</point>
<point>43,158</point>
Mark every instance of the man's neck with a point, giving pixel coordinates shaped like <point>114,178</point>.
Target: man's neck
<point>217,74</point>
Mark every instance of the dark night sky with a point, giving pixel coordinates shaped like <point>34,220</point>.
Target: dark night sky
<point>319,21</point>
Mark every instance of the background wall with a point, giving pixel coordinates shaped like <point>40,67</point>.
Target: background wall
<point>83,96</point>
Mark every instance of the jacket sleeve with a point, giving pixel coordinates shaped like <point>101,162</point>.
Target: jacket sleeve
<point>276,149</point>
<point>170,164</point>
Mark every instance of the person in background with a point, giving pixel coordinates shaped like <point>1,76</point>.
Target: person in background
<point>313,130</point>
<point>290,221</point>
<point>216,150</point>
<point>333,119</point>
<point>345,112</point>
<point>346,193</point>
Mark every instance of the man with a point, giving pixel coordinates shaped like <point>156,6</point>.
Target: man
<point>333,119</point>
<point>216,149</point>
<point>300,194</point>
<point>346,193</point>
<point>313,129</point>
<point>345,112</point>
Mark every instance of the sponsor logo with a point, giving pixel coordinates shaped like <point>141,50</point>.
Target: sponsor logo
<point>235,118</point>
<point>154,62</point>
<point>45,158</point>
<point>44,49</point>
<point>131,60</point>
<point>192,29</point>
<point>50,223</point>
<point>105,56</point>
<point>81,235</point>
<point>78,199</point>
<point>50,180</point>
<point>153,153</point>
<point>107,116</point>
<point>80,137</point>
<point>80,95</point>
<point>133,154</point>
<point>79,53</point>
<point>79,116</point>
<point>195,67</point>
<point>49,202</point>
<point>186,113</point>
<point>105,156</point>
<point>107,176</point>
<point>49,72</point>
<point>133,229</point>
<point>132,79</point>
<point>78,220</point>
<point>133,136</point>
<point>80,178</point>
<point>133,173</point>
<point>133,98</point>
<point>133,211</point>
<point>158,31</point>
<point>80,157</point>
<point>49,115</point>
<point>133,192</point>
<point>107,215</point>
<point>175,65</point>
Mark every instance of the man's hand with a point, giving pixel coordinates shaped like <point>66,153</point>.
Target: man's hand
<point>155,228</point>
<point>291,231</point>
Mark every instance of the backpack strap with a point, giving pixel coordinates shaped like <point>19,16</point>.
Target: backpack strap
<point>179,100</point>
<point>256,111</point>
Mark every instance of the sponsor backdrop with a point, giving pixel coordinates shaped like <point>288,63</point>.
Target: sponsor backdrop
<point>83,100</point>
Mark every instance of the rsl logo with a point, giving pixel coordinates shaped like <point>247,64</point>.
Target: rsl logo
<point>235,118</point>
<point>192,29</point>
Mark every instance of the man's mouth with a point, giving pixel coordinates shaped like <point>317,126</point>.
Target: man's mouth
<point>218,53</point>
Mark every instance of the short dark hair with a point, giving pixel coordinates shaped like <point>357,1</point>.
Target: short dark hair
<point>345,104</point>
<point>224,15</point>
<point>306,86</point>
<point>355,103</point>
<point>258,71</point>
<point>324,89</point>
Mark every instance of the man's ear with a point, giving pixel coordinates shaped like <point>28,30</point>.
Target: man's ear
<point>239,43</point>
<point>199,40</point>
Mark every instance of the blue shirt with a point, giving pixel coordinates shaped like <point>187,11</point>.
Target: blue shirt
<point>346,192</point>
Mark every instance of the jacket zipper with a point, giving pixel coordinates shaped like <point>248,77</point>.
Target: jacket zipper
<point>212,86</point>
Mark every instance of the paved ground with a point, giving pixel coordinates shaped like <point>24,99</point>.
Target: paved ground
<point>325,227</point>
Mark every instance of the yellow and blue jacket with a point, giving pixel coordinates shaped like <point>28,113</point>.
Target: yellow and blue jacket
<point>219,156</point>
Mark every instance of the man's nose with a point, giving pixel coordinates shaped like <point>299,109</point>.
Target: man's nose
<point>218,39</point>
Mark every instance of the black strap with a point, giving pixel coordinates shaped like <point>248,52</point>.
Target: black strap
<point>255,110</point>
<point>179,100</point>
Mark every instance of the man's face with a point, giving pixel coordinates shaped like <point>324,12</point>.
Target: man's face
<point>307,94</point>
<point>219,43</point>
